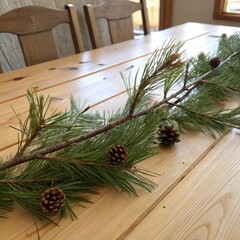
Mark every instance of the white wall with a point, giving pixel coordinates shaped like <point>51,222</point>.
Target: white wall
<point>196,11</point>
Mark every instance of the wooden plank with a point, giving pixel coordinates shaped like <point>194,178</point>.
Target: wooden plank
<point>85,90</point>
<point>94,88</point>
<point>89,63</point>
<point>205,205</point>
<point>61,76</point>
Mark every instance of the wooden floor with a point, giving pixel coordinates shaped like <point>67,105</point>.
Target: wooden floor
<point>197,194</point>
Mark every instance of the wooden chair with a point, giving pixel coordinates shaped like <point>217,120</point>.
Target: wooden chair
<point>165,14</point>
<point>1,69</point>
<point>33,25</point>
<point>118,14</point>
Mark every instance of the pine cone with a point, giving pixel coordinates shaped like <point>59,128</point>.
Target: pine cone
<point>117,155</point>
<point>167,135</point>
<point>224,35</point>
<point>52,201</point>
<point>214,62</point>
<point>201,56</point>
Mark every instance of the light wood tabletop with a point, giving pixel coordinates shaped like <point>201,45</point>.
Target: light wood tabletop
<point>197,194</point>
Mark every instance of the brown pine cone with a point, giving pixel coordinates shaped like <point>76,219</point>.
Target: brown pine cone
<point>117,155</point>
<point>214,62</point>
<point>52,201</point>
<point>167,135</point>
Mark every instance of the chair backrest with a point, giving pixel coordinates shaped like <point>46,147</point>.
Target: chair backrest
<point>118,14</point>
<point>34,24</point>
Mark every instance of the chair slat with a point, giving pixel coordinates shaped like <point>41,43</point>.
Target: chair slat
<point>38,48</point>
<point>75,29</point>
<point>121,30</point>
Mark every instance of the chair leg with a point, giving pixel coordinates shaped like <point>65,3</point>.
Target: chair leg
<point>1,69</point>
<point>165,14</point>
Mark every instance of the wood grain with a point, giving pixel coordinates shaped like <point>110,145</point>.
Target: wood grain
<point>205,204</point>
<point>113,213</point>
<point>10,44</point>
<point>94,61</point>
<point>197,196</point>
<point>34,29</point>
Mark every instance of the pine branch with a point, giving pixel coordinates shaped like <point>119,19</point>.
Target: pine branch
<point>217,121</point>
<point>71,150</point>
<point>232,88</point>
<point>39,154</point>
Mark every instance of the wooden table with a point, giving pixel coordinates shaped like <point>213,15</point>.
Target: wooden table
<point>198,194</point>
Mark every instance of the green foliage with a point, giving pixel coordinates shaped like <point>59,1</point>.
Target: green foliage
<point>203,108</point>
<point>69,150</point>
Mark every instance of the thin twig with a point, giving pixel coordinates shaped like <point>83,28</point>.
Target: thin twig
<point>172,61</point>
<point>200,114</point>
<point>221,85</point>
<point>186,75</point>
